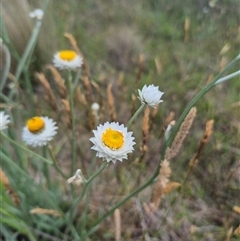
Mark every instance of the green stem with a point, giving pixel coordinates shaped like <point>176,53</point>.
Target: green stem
<point>71,100</point>
<point>45,168</point>
<point>119,204</point>
<point>25,149</point>
<point>56,164</point>
<point>13,103</point>
<point>26,54</point>
<point>228,77</point>
<point>88,181</point>
<point>135,115</point>
<point>7,65</point>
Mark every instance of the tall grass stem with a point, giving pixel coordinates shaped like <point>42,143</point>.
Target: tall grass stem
<point>7,65</point>
<point>138,111</point>
<point>71,100</point>
<point>21,66</point>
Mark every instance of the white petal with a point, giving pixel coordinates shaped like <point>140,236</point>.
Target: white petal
<point>4,121</point>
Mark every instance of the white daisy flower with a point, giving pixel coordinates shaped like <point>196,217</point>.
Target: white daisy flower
<point>67,59</point>
<point>112,141</point>
<point>39,131</point>
<point>37,13</point>
<point>150,95</point>
<point>4,121</point>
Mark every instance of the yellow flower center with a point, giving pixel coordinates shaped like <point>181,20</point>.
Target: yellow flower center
<point>113,139</point>
<point>67,55</point>
<point>35,124</point>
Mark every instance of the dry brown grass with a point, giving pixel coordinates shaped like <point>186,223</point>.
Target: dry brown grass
<point>45,211</point>
<point>182,133</point>
<point>5,181</point>
<point>111,107</point>
<point>162,181</point>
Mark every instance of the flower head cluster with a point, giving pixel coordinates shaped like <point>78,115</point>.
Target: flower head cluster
<point>112,141</point>
<point>39,131</point>
<point>4,121</point>
<point>67,59</point>
<point>150,95</point>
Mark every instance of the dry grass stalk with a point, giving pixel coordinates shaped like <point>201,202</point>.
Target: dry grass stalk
<point>98,89</point>
<point>162,181</point>
<point>145,133</point>
<point>182,133</point>
<point>59,81</point>
<point>5,181</point>
<point>225,49</point>
<point>153,117</point>
<point>170,186</point>
<point>237,231</point>
<point>158,65</point>
<point>51,98</point>
<point>168,120</point>
<point>140,68</point>
<point>110,99</point>
<point>67,113</point>
<point>236,209</point>
<point>88,88</point>
<point>223,63</point>
<point>120,79</point>
<point>229,234</point>
<point>81,97</point>
<point>73,42</point>
<point>46,211</point>
<point>186,29</point>
<point>204,140</point>
<point>210,78</point>
<point>117,220</point>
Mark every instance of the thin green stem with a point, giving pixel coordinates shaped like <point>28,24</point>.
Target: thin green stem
<point>18,152</point>
<point>71,100</point>
<point>6,66</point>
<point>119,204</point>
<point>228,77</point>
<point>56,164</point>
<point>12,103</point>
<point>138,111</point>
<point>25,149</point>
<point>26,54</point>
<point>45,168</point>
<point>88,181</point>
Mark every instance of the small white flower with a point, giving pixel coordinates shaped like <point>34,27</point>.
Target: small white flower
<point>95,106</point>
<point>67,59</point>
<point>112,141</point>
<point>4,121</point>
<point>37,13</point>
<point>150,95</point>
<point>39,131</point>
